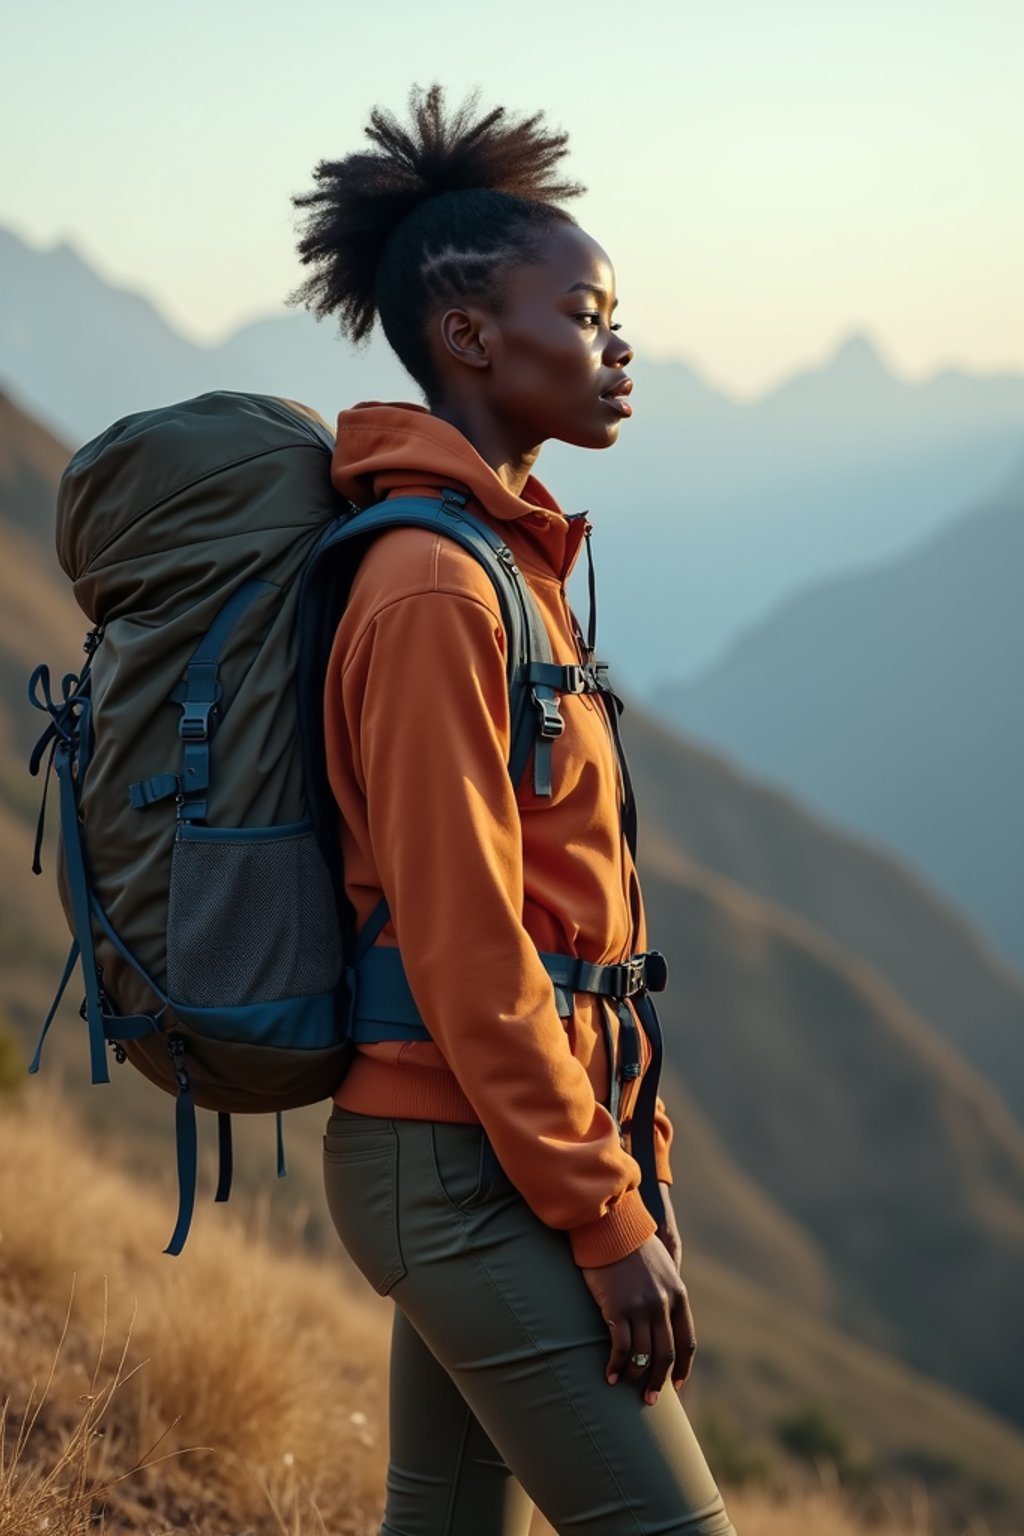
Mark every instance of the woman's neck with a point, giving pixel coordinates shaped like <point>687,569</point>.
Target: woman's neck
<point>513,464</point>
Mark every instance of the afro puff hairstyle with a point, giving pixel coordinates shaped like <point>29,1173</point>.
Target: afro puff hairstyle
<point>435,214</point>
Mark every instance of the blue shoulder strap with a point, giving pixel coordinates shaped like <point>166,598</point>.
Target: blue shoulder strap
<point>527,637</point>
<point>533,710</point>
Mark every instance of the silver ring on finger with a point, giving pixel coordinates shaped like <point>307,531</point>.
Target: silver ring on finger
<point>639,1360</point>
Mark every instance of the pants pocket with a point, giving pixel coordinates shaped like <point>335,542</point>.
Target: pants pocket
<point>468,1173</point>
<point>361,1184</point>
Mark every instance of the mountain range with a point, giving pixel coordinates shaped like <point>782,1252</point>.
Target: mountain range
<point>844,1065</point>
<point>888,700</point>
<point>707,514</point>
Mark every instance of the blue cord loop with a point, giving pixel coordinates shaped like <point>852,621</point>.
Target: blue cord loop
<point>70,725</point>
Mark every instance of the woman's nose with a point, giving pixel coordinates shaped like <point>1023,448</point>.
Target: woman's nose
<point>618,352</point>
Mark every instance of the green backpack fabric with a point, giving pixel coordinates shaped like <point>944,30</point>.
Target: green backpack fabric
<point>199,859</point>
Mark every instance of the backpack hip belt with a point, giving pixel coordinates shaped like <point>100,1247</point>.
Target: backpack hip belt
<point>382,1008</point>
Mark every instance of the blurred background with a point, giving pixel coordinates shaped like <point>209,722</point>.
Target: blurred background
<point>810,549</point>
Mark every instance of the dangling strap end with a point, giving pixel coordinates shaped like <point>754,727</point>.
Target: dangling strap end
<point>73,954</point>
<point>542,768</point>
<point>98,1052</point>
<point>282,1166</point>
<point>185,1133</point>
<point>225,1157</point>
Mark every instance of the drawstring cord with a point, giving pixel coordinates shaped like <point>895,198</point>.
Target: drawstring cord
<point>592,591</point>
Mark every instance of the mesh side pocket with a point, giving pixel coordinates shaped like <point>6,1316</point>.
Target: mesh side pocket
<point>251,918</point>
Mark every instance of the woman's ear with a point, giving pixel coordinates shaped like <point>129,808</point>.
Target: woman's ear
<point>464,334</point>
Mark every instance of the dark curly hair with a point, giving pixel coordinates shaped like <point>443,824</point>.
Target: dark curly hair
<point>433,215</point>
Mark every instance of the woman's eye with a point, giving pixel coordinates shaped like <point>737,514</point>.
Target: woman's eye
<point>594,318</point>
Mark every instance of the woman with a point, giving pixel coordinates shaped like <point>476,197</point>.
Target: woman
<point>478,1174</point>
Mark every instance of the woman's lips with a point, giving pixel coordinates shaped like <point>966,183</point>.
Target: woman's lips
<point>616,397</point>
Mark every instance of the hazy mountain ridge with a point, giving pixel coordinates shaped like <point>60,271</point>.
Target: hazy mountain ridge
<point>886,700</point>
<point>769,992</point>
<point>859,895</point>
<point>707,512</point>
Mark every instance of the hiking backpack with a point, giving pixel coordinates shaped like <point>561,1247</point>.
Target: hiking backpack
<point>199,863</point>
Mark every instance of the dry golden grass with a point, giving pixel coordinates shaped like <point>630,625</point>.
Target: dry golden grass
<point>269,1361</point>
<point>819,1506</point>
<point>236,1391</point>
<point>62,1491</point>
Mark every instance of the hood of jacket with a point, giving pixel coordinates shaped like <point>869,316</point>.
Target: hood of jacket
<point>387,449</point>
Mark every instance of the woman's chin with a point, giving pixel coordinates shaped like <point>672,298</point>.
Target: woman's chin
<point>593,435</point>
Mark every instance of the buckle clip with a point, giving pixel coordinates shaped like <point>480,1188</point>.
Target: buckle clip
<point>194,724</point>
<point>551,723</point>
<point>640,973</point>
<point>630,976</point>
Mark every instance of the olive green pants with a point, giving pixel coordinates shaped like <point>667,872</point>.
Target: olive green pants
<point>498,1395</point>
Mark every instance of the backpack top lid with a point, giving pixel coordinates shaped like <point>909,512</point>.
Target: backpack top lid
<point>223,469</point>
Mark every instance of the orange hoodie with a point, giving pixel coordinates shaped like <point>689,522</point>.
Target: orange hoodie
<point>478,878</point>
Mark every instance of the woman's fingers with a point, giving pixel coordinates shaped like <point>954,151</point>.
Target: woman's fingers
<point>619,1356</point>
<point>685,1338</point>
<point>641,1353</point>
<point>644,1304</point>
<point>663,1352</point>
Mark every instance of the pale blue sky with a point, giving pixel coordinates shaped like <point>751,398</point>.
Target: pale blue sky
<point>765,176</point>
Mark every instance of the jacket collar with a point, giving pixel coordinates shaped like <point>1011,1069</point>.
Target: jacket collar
<point>398,449</point>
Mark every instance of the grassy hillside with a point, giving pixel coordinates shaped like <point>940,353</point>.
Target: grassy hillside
<point>827,1088</point>
<point>31,461</point>
<point>272,1367</point>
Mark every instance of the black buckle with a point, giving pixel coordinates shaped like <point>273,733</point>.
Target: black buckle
<point>629,977</point>
<point>551,723</point>
<point>574,680</point>
<point>640,973</point>
<point>656,971</point>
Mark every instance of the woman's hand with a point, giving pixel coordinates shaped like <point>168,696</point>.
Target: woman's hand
<point>644,1302</point>
<point>668,1231</point>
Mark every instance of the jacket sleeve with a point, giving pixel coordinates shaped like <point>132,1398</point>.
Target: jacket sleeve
<point>425,700</point>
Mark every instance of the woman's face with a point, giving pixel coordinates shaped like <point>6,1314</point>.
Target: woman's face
<point>554,366</point>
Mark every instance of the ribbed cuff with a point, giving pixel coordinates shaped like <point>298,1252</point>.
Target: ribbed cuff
<point>622,1230</point>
